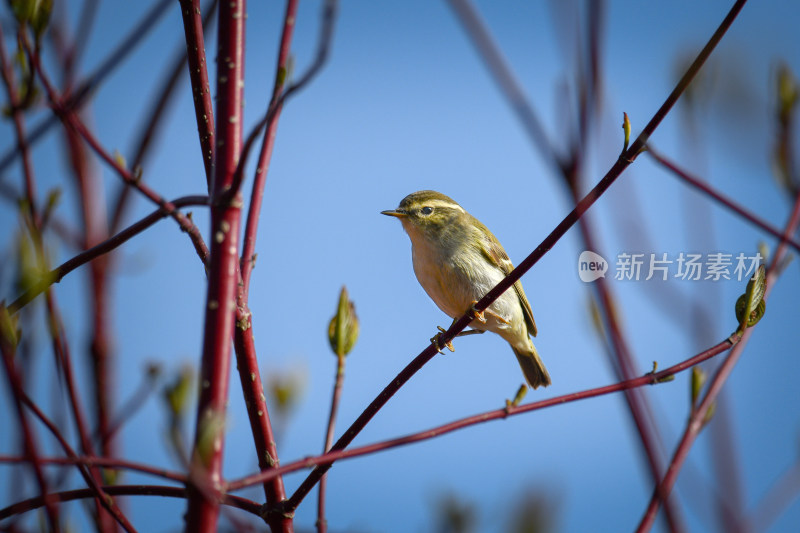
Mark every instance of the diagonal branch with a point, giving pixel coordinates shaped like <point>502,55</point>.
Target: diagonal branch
<point>718,197</point>
<point>625,159</point>
<point>193,25</point>
<point>125,490</point>
<point>156,120</point>
<point>695,423</point>
<point>71,120</point>
<point>92,82</point>
<point>58,273</point>
<point>223,273</point>
<point>497,414</point>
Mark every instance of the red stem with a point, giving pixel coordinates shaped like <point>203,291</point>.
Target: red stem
<point>156,121</point>
<point>61,349</point>
<point>113,61</point>
<point>497,414</point>
<point>101,497</point>
<point>126,490</point>
<point>111,463</point>
<point>267,144</point>
<point>28,440</point>
<point>70,119</point>
<point>57,274</point>
<point>198,74</point>
<point>697,418</point>
<point>625,159</point>
<point>636,399</point>
<point>719,198</point>
<point>322,523</point>
<point>207,457</point>
<point>263,436</point>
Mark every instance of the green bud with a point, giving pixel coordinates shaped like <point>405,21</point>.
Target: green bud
<point>120,159</point>
<point>41,17</point>
<point>22,9</point>
<point>520,395</point>
<point>285,389</point>
<point>212,425</point>
<point>178,393</point>
<point>750,306</point>
<point>626,128</point>
<point>698,380</point>
<point>9,333</point>
<point>343,328</point>
<point>788,92</point>
<point>710,413</point>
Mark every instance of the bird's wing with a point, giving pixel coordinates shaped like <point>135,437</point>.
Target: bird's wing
<point>494,252</point>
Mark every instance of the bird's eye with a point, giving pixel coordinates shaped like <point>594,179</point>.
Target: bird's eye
<point>426,210</point>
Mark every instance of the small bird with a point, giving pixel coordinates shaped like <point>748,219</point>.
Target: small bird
<point>457,261</point>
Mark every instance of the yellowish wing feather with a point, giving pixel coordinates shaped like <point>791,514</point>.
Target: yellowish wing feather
<point>494,252</point>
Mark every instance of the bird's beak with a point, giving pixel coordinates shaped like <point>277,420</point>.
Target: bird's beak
<point>399,213</point>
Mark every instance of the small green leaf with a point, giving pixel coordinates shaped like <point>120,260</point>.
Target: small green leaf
<point>285,389</point>
<point>178,393</point>
<point>710,413</point>
<point>750,306</point>
<point>698,380</point>
<point>22,9</point>
<point>120,159</point>
<point>520,395</point>
<point>626,128</point>
<point>209,435</point>
<point>788,93</point>
<point>41,17</point>
<point>9,333</point>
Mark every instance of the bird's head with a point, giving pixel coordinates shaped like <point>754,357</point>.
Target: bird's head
<point>427,213</point>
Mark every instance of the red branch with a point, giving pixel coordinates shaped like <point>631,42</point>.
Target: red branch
<point>218,330</point>
<point>115,59</point>
<point>28,439</point>
<point>625,159</point>
<point>322,523</point>
<point>72,121</point>
<point>696,420</point>
<point>497,414</point>
<point>198,74</point>
<point>111,463</point>
<point>126,490</point>
<point>719,198</point>
<point>58,273</point>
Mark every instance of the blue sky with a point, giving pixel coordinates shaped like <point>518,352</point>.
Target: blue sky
<point>403,104</point>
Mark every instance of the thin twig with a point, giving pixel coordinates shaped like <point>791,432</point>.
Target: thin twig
<point>70,119</point>
<point>28,438</point>
<point>323,49</point>
<point>497,414</point>
<point>126,490</point>
<point>58,273</point>
<point>156,121</point>
<point>322,523</point>
<point>95,488</point>
<point>110,463</point>
<point>114,60</point>
<point>625,159</point>
<point>696,420</point>
<point>193,26</point>
<point>718,197</point>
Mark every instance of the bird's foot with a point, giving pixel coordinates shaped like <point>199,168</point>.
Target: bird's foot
<point>480,315</point>
<point>436,341</point>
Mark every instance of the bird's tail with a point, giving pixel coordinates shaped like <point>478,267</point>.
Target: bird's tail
<point>532,366</point>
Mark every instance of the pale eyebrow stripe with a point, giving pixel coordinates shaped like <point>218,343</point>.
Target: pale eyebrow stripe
<point>442,203</point>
